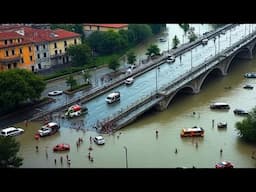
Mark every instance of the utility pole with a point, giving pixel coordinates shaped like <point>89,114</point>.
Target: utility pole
<point>126,158</point>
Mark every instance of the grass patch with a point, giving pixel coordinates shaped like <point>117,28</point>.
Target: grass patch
<point>79,87</point>
<point>62,73</point>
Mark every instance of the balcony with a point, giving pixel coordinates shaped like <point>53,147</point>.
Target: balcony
<point>10,59</point>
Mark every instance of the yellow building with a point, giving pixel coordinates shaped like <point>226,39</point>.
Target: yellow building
<point>15,51</point>
<point>59,40</point>
<point>104,27</point>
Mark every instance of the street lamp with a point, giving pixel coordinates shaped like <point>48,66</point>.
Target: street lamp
<point>156,79</point>
<point>191,58</point>
<point>125,148</point>
<point>214,40</point>
<point>219,43</point>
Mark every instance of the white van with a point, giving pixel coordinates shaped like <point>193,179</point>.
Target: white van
<point>113,97</point>
<point>11,131</point>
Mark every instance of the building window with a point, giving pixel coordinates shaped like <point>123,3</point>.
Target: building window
<point>18,40</point>
<point>11,41</point>
<point>13,52</point>
<point>31,58</point>
<point>44,54</point>
<point>5,42</point>
<point>98,28</point>
<point>6,53</point>
<point>55,45</point>
<point>44,46</point>
<point>30,49</point>
<point>37,48</point>
<point>39,66</point>
<point>9,66</point>
<point>75,41</point>
<point>15,65</point>
<point>22,60</point>
<point>60,51</point>
<point>56,52</point>
<point>20,50</point>
<point>65,43</point>
<point>38,56</point>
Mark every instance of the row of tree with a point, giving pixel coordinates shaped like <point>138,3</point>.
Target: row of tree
<point>109,42</point>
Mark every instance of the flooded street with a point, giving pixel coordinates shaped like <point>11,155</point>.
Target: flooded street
<point>144,149</point>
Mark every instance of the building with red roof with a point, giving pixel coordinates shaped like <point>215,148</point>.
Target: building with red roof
<point>34,49</point>
<point>91,27</point>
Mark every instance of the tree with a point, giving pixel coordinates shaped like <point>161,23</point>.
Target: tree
<point>141,32</point>
<point>71,82</point>
<point>80,54</point>
<point>157,28</point>
<point>19,86</point>
<point>247,128</point>
<point>175,42</point>
<point>114,64</point>
<point>131,58</point>
<point>153,50</point>
<point>9,148</point>
<point>108,42</point>
<point>185,27</point>
<point>192,36</point>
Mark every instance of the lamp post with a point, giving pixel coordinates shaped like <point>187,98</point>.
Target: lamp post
<point>191,58</point>
<point>126,159</point>
<point>95,76</point>
<point>230,38</point>
<point>156,79</point>
<point>214,40</point>
<point>219,43</point>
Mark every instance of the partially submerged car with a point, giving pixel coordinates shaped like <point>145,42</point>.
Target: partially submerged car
<point>61,147</point>
<point>224,164</point>
<point>99,140</point>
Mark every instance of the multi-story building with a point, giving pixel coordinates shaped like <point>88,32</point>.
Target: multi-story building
<point>34,49</point>
<point>15,51</point>
<point>59,41</point>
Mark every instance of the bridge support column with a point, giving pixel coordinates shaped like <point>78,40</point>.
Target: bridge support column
<point>162,105</point>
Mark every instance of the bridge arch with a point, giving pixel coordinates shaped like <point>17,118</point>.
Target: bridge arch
<point>185,89</point>
<point>217,71</point>
<point>242,53</point>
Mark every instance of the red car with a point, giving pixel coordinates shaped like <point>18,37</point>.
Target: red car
<point>61,147</point>
<point>224,164</point>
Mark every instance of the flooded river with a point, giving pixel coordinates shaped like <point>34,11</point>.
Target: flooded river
<point>144,149</point>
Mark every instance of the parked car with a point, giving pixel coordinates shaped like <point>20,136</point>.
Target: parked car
<point>248,87</point>
<point>11,131</point>
<point>55,93</point>
<point>250,75</point>
<point>204,41</point>
<point>129,81</point>
<point>222,125</point>
<point>61,147</point>
<point>48,129</point>
<point>240,112</point>
<point>99,140</point>
<point>224,164</point>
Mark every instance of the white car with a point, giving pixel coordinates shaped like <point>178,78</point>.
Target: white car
<point>55,93</point>
<point>99,140</point>
<point>11,131</point>
<point>44,131</point>
<point>129,81</point>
